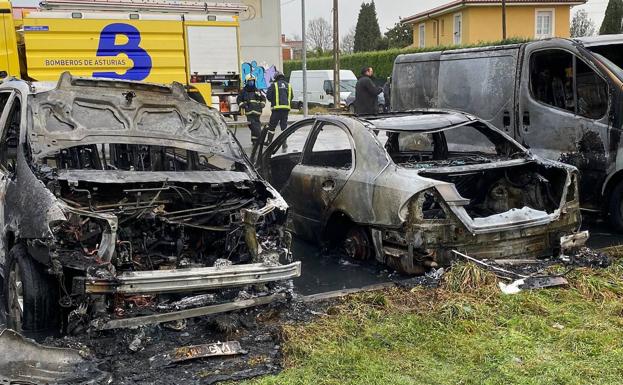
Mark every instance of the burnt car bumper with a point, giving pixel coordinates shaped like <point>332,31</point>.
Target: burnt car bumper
<point>430,243</point>
<point>189,280</point>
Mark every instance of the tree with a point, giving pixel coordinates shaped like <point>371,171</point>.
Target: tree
<point>367,31</point>
<point>400,36</point>
<point>612,19</point>
<point>320,35</point>
<point>582,25</point>
<point>347,45</point>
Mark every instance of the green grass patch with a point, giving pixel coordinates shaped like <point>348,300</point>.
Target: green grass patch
<point>466,332</point>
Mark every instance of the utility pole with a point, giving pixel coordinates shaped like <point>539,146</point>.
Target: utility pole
<point>305,110</point>
<point>503,19</point>
<point>337,100</point>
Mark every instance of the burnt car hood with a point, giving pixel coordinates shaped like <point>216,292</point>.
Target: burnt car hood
<point>81,111</point>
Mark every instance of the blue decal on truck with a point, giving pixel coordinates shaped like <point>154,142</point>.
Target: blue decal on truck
<point>108,48</point>
<point>36,28</point>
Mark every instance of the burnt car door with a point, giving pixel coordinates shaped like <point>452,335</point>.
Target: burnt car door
<point>564,101</point>
<point>327,164</point>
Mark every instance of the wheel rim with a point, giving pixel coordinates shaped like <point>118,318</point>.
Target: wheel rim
<point>16,297</point>
<point>356,245</point>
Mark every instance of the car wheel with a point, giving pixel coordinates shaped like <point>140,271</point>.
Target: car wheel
<point>615,207</point>
<point>31,294</point>
<point>357,244</point>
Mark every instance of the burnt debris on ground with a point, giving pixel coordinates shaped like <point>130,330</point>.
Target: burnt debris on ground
<point>127,354</point>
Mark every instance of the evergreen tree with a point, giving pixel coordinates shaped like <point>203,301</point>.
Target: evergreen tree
<point>612,19</point>
<point>367,32</point>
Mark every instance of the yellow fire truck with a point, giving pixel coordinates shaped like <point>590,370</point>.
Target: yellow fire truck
<point>192,42</point>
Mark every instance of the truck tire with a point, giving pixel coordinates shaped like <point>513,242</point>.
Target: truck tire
<point>31,294</point>
<point>615,207</point>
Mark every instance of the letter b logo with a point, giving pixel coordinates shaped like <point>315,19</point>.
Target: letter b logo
<point>107,48</point>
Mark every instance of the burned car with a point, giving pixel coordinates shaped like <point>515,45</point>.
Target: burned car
<point>121,195</point>
<point>408,189</point>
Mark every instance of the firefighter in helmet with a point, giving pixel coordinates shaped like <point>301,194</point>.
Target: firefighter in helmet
<point>252,101</point>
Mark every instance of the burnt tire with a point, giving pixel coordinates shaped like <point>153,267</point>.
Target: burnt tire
<point>357,244</point>
<point>31,294</point>
<point>615,207</point>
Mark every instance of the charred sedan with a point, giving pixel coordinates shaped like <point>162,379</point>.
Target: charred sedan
<point>410,188</point>
<point>121,195</point>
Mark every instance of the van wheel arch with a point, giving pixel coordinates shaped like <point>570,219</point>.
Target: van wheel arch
<point>613,200</point>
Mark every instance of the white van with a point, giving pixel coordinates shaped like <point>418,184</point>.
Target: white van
<point>320,87</point>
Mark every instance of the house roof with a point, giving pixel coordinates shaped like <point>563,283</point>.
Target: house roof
<point>458,4</point>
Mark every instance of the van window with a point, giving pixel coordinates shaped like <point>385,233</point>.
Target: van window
<point>552,82</point>
<point>613,52</point>
<point>10,136</point>
<point>592,92</point>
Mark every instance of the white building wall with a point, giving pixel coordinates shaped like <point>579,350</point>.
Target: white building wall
<point>260,33</point>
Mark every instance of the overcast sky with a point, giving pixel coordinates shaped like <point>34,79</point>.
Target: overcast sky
<point>389,11</point>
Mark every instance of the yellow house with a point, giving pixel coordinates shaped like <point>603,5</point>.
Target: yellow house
<point>474,21</point>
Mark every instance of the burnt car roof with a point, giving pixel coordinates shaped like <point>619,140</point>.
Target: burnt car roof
<point>415,120</point>
<point>424,120</point>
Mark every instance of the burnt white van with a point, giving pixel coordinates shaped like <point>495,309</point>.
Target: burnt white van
<point>562,98</point>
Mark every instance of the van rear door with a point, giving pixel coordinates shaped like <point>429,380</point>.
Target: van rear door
<point>481,82</point>
<point>563,108</point>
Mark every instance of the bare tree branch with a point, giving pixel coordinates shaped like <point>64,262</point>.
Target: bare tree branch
<point>347,44</point>
<point>319,34</point>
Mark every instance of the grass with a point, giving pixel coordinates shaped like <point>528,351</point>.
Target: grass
<point>465,332</point>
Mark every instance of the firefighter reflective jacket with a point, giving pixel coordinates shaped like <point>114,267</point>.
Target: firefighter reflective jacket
<point>252,101</point>
<point>280,95</point>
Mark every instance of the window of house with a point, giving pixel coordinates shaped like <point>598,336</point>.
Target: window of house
<point>422,35</point>
<point>458,28</point>
<point>561,80</point>
<point>10,136</point>
<point>544,24</point>
<point>435,30</point>
<point>443,27</point>
<point>330,148</point>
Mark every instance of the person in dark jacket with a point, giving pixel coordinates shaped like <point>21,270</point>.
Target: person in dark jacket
<point>366,93</point>
<point>280,96</point>
<point>252,101</point>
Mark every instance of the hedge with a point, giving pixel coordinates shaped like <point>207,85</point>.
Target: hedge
<point>382,61</point>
